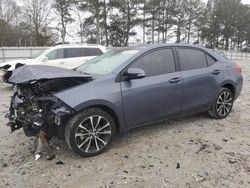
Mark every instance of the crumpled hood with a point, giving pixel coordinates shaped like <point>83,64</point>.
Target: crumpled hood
<point>30,73</point>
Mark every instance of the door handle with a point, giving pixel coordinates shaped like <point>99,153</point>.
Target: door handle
<point>216,72</point>
<point>175,80</point>
<point>61,62</point>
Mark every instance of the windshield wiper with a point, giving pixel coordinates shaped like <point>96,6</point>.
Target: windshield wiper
<point>84,73</point>
<point>87,74</point>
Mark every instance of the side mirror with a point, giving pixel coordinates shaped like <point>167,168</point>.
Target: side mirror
<point>45,59</point>
<point>133,73</point>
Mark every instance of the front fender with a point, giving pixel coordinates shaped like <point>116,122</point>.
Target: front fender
<point>104,92</point>
<point>106,104</point>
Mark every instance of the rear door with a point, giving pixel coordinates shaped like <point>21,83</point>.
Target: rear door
<point>200,85</point>
<point>156,96</point>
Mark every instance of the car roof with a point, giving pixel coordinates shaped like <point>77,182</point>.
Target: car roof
<point>78,46</point>
<point>147,47</point>
<point>152,46</point>
<point>63,46</point>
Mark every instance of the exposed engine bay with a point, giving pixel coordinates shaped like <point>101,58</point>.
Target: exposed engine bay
<point>34,107</point>
<point>33,104</point>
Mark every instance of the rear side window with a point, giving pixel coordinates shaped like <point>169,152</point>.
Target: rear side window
<point>81,52</point>
<point>55,54</point>
<point>157,62</point>
<point>191,59</point>
<point>210,60</point>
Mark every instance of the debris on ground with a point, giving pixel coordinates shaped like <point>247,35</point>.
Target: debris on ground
<point>60,163</point>
<point>4,165</point>
<point>28,165</point>
<point>37,156</point>
<point>202,147</point>
<point>216,147</point>
<point>232,161</point>
<point>178,166</point>
<point>49,158</point>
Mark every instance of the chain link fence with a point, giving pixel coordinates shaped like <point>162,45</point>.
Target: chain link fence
<point>235,55</point>
<point>12,53</point>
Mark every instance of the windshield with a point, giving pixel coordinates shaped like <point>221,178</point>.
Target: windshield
<point>38,54</point>
<point>107,62</point>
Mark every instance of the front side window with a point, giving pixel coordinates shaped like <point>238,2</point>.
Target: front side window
<point>191,58</point>
<point>107,62</point>
<point>55,54</point>
<point>157,62</point>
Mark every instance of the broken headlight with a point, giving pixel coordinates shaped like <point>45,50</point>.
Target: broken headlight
<point>61,111</point>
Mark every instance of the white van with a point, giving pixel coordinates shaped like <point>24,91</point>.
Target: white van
<point>64,56</point>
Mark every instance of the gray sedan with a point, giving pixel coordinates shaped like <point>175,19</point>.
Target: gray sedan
<point>122,89</point>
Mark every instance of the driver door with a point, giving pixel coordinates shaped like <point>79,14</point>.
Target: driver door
<point>156,96</point>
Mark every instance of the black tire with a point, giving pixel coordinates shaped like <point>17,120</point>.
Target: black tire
<point>218,110</point>
<point>87,126</point>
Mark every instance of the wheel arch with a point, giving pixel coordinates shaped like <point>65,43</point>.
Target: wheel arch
<point>230,86</point>
<point>111,112</point>
<point>107,107</point>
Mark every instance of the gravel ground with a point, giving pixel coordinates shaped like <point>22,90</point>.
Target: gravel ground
<point>194,151</point>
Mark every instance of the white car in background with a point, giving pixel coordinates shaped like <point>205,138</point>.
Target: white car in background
<point>64,56</point>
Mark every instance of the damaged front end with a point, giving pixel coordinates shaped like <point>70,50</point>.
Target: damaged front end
<point>35,110</point>
<point>34,106</point>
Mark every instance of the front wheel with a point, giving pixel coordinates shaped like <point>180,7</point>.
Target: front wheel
<point>223,104</point>
<point>90,132</point>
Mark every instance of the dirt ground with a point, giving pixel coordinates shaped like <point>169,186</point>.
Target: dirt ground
<point>194,151</point>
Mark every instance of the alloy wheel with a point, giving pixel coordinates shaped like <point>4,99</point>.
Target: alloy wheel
<point>224,103</point>
<point>93,134</point>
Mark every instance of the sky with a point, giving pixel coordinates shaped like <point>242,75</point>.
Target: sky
<point>246,1</point>
<point>243,1</point>
<point>75,38</point>
<point>72,31</point>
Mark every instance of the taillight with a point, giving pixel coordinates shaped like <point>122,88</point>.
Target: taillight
<point>238,69</point>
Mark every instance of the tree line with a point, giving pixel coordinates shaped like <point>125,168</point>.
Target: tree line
<point>220,24</point>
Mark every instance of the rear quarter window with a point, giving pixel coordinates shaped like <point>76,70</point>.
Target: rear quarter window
<point>81,52</point>
<point>210,60</point>
<point>93,51</point>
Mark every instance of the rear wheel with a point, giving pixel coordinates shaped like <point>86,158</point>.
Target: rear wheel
<point>223,104</point>
<point>90,132</point>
